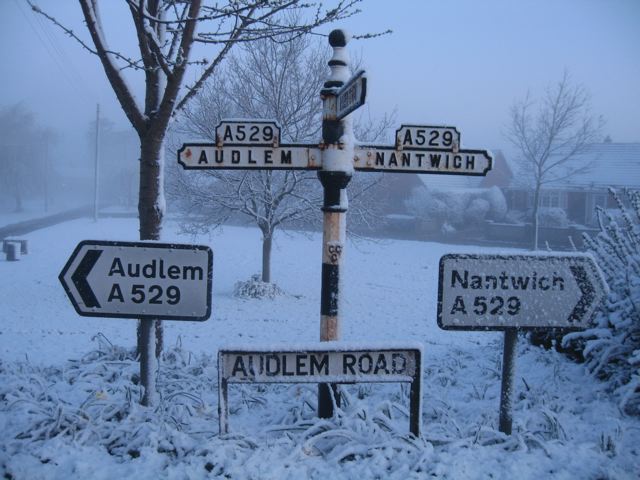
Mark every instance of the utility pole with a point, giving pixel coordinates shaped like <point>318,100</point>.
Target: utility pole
<point>96,170</point>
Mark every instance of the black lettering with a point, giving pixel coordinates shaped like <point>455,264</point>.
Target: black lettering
<point>115,294</point>
<point>491,281</point>
<point>419,157</point>
<point>471,162</point>
<point>149,270</point>
<point>133,270</point>
<point>369,366</point>
<point>268,367</point>
<point>173,272</point>
<point>406,159</point>
<point>219,156</point>
<point>558,281</point>
<point>196,273</point>
<point>238,366</point>
<point>381,364</point>
<point>116,267</point>
<point>543,283</point>
<point>227,133</point>
<point>458,306</point>
<point>203,158</point>
<point>285,372</point>
<point>519,283</point>
<point>318,366</point>
<point>435,159</point>
<point>348,361</point>
<point>301,365</point>
<point>267,156</point>
<point>285,157</point>
<point>392,160</point>
<point>476,282</point>
<point>457,161</point>
<point>235,157</point>
<point>395,360</point>
<point>407,138</point>
<point>380,158</point>
<point>503,281</point>
<point>464,282</point>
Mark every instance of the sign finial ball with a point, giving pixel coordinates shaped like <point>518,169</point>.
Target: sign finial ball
<point>338,38</point>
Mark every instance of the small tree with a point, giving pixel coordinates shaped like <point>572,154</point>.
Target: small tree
<point>549,133</point>
<point>267,80</point>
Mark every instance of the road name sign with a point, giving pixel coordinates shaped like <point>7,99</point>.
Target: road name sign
<point>499,292</point>
<point>352,95</point>
<point>329,362</point>
<point>139,280</point>
<point>387,159</point>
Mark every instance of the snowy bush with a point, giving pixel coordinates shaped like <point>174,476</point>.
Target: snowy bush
<point>448,211</point>
<point>256,288</point>
<point>553,217</point>
<point>612,348</point>
<point>497,204</point>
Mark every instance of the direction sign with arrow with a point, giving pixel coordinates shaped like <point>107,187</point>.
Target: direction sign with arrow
<point>139,280</point>
<point>498,292</point>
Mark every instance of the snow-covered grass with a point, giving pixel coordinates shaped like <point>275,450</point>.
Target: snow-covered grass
<point>69,385</point>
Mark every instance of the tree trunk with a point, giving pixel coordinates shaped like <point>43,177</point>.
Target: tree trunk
<point>536,220</point>
<point>151,208</point>
<point>266,257</point>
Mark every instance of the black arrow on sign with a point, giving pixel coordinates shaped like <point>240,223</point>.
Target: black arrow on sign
<point>79,278</point>
<point>587,291</point>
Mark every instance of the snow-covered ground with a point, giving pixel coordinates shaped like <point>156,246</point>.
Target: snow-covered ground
<point>68,384</point>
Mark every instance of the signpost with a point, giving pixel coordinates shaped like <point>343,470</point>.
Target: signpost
<point>139,280</point>
<point>322,363</point>
<point>517,292</point>
<point>255,144</point>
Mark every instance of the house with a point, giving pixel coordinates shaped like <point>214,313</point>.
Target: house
<point>603,166</point>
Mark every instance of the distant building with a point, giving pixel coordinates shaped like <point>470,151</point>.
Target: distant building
<point>608,164</point>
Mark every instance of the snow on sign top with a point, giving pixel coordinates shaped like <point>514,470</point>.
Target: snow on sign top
<point>497,292</point>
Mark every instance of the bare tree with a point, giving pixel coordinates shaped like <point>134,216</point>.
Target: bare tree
<point>167,33</point>
<point>549,133</point>
<point>267,80</point>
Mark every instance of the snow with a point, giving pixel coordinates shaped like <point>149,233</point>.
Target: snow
<point>69,404</point>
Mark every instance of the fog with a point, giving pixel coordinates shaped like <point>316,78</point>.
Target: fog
<point>459,63</point>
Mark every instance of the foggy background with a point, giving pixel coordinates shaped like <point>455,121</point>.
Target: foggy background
<point>460,62</point>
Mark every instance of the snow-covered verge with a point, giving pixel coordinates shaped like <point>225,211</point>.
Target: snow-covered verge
<point>69,404</point>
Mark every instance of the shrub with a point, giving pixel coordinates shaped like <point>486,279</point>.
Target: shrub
<point>612,348</point>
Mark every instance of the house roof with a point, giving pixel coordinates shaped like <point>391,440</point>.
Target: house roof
<point>607,165</point>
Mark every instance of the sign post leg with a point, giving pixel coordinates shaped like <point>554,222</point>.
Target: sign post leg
<point>337,168</point>
<point>508,373</point>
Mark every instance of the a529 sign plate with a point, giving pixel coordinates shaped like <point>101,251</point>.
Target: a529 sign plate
<point>139,280</point>
<point>498,292</point>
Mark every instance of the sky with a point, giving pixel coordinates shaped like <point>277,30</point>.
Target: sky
<point>457,62</point>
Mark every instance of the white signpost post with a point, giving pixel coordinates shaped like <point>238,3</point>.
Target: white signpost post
<point>328,362</point>
<point>139,280</point>
<point>517,292</point>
